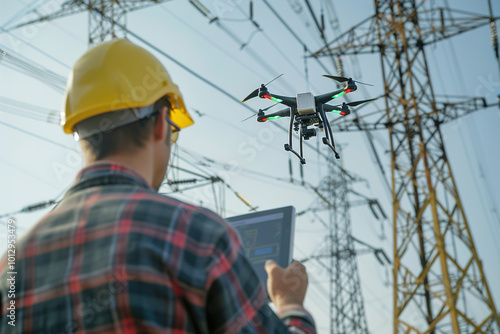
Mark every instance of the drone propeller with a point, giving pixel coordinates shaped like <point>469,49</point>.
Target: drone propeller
<point>274,79</point>
<point>255,93</point>
<point>251,95</point>
<point>357,103</point>
<point>246,119</point>
<point>261,112</point>
<point>344,79</point>
<point>343,109</point>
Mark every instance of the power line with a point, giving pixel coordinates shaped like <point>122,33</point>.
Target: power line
<point>22,12</point>
<point>36,48</point>
<point>29,111</point>
<point>208,82</point>
<point>244,46</point>
<point>266,36</point>
<point>39,205</point>
<point>39,137</point>
<point>21,64</point>
<point>299,11</point>
<point>22,170</point>
<point>293,33</point>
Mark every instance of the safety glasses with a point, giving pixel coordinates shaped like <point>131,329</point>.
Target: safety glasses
<point>175,131</point>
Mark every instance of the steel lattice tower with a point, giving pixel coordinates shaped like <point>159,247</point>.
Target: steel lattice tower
<point>337,253</point>
<point>438,279</point>
<point>100,29</point>
<point>347,313</point>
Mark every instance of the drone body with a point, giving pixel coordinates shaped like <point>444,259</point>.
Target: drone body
<point>307,113</point>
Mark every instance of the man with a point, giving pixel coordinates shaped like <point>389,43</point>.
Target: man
<point>116,257</point>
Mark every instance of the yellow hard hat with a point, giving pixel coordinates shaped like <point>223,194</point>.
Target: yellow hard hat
<point>118,75</point>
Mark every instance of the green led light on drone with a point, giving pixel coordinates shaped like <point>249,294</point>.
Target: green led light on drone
<point>336,111</point>
<point>338,95</point>
<point>274,117</point>
<point>276,100</point>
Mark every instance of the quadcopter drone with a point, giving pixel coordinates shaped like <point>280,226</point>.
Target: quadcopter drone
<point>306,110</point>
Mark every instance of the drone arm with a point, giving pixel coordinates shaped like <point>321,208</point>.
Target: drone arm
<point>327,107</point>
<point>324,98</point>
<point>278,114</point>
<point>336,109</point>
<point>286,100</point>
<point>274,115</point>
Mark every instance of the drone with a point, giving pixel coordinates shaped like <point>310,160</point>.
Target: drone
<point>308,112</point>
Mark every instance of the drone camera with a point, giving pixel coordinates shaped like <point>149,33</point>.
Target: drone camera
<point>308,133</point>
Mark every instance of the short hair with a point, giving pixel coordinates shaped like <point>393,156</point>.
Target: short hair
<point>127,138</point>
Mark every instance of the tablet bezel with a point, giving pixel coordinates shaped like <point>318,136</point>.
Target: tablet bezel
<point>288,230</point>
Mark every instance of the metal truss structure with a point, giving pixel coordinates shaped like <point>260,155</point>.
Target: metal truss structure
<point>337,254</point>
<point>99,30</point>
<point>439,283</point>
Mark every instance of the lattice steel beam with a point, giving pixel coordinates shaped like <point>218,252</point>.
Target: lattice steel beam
<point>99,30</point>
<point>439,283</point>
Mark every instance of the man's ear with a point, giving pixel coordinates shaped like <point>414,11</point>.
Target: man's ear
<point>161,130</point>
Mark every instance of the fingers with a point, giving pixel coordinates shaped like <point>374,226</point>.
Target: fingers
<point>296,266</point>
<point>299,267</point>
<point>286,286</point>
<point>271,266</point>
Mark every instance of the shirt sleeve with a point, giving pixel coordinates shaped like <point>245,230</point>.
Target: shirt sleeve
<point>297,319</point>
<point>236,300</point>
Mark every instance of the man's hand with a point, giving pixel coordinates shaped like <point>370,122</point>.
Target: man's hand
<point>286,286</point>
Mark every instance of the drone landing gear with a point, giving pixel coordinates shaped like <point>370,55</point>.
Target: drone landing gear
<point>327,143</point>
<point>328,140</point>
<point>288,147</point>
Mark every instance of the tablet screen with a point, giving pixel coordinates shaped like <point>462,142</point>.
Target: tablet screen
<point>266,235</point>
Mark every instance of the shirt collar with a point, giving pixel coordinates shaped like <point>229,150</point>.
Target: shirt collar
<point>108,172</point>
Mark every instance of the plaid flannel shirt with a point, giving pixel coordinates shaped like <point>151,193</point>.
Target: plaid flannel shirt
<point>116,257</point>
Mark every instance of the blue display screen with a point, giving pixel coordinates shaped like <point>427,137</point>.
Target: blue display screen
<point>266,235</point>
<point>263,251</point>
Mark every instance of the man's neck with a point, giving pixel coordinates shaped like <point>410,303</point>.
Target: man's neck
<point>138,162</point>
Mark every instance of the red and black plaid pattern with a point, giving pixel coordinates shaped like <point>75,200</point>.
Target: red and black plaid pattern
<point>116,257</point>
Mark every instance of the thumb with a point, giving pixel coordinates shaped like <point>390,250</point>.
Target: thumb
<point>270,265</point>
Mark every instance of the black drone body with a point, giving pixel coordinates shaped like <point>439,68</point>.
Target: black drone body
<point>307,112</point>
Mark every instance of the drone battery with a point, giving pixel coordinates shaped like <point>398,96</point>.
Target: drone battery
<point>305,103</point>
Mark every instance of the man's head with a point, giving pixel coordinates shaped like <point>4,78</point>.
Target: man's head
<point>147,140</point>
<point>122,105</point>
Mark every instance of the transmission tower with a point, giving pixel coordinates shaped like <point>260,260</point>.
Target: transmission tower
<point>347,312</point>
<point>100,30</point>
<point>337,253</point>
<point>439,283</point>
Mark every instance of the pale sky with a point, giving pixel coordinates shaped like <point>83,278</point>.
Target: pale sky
<point>249,156</point>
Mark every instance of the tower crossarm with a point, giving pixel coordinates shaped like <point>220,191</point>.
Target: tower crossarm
<point>69,7</point>
<point>98,29</point>
<point>445,110</point>
<point>450,110</point>
<point>435,24</point>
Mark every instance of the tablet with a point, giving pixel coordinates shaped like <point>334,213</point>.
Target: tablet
<point>266,235</point>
